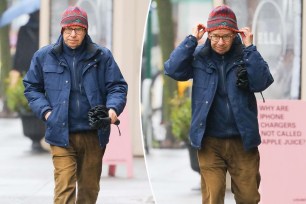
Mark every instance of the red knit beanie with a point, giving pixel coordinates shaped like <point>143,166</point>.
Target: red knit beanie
<point>222,17</point>
<point>74,16</point>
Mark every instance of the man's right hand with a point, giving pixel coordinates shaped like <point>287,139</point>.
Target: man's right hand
<point>47,115</point>
<point>198,31</point>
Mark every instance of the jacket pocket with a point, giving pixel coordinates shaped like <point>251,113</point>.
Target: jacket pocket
<point>203,81</point>
<point>202,74</point>
<point>53,77</point>
<point>91,79</point>
<point>55,117</point>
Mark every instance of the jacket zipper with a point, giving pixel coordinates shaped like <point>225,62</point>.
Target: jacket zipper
<point>76,80</point>
<point>223,75</point>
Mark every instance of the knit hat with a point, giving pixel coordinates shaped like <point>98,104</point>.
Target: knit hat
<point>74,16</point>
<point>222,17</point>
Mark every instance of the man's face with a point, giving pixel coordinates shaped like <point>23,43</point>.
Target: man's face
<point>74,36</point>
<point>221,40</point>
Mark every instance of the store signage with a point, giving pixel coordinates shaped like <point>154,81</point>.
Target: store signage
<point>283,151</point>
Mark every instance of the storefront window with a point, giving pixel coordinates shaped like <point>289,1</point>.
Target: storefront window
<point>276,25</point>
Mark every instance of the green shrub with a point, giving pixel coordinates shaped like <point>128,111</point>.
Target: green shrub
<point>180,117</point>
<point>16,100</point>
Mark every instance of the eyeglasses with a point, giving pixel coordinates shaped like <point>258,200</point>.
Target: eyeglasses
<point>77,31</point>
<point>225,38</point>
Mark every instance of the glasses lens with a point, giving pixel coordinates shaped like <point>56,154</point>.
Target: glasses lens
<point>226,38</point>
<point>77,31</point>
<point>216,38</point>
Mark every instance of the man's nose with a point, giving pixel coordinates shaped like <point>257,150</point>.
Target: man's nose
<point>221,41</point>
<point>73,33</point>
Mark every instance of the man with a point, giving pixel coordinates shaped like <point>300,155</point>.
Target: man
<point>64,82</point>
<point>224,128</point>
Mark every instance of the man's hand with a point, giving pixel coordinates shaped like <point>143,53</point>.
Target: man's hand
<point>247,36</point>
<point>113,115</point>
<point>47,115</point>
<point>198,31</point>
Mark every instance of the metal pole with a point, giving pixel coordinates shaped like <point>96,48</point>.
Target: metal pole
<point>149,44</point>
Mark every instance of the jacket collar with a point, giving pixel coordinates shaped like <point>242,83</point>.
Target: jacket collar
<point>90,48</point>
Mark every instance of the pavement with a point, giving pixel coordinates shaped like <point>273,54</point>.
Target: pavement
<point>172,179</point>
<point>27,177</point>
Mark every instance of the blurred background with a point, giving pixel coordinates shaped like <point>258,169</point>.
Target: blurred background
<point>26,175</point>
<point>166,112</point>
<point>141,34</point>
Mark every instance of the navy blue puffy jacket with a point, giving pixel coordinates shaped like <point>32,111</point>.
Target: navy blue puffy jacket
<point>48,84</point>
<point>188,61</point>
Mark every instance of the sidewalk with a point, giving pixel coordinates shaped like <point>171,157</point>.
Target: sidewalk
<point>173,180</point>
<point>27,178</point>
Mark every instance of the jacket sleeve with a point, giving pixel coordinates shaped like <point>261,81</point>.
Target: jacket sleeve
<point>34,88</point>
<point>259,75</point>
<point>116,86</point>
<point>178,66</point>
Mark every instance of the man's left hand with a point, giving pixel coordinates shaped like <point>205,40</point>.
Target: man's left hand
<point>247,36</point>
